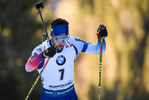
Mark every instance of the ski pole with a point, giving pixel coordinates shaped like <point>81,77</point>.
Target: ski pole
<point>101,27</point>
<point>38,6</point>
<point>36,80</point>
<point>101,40</point>
<point>45,37</point>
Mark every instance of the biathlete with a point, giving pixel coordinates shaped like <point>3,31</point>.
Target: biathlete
<point>58,76</point>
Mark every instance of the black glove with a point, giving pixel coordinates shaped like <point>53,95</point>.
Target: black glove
<point>49,52</point>
<point>102,32</point>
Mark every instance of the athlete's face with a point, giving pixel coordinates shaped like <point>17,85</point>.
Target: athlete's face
<point>60,45</point>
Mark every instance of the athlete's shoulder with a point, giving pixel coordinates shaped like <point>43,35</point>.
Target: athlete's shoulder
<point>77,43</point>
<point>38,48</point>
<point>76,40</point>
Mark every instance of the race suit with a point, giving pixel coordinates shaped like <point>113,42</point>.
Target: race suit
<point>58,76</point>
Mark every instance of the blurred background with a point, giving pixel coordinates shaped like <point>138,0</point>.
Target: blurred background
<point>125,69</point>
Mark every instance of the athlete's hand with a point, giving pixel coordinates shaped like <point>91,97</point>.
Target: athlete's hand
<point>49,52</point>
<point>102,32</point>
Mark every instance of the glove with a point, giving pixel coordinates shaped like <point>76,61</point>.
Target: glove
<point>102,32</point>
<point>49,52</point>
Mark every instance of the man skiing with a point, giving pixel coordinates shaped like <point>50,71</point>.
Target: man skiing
<point>58,76</point>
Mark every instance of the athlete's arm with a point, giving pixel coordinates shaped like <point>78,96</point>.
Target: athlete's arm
<point>91,48</point>
<point>35,59</point>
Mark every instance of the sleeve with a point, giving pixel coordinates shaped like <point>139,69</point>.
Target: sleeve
<point>35,59</point>
<point>91,48</point>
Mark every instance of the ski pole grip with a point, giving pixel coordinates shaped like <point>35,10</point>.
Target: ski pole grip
<point>39,5</point>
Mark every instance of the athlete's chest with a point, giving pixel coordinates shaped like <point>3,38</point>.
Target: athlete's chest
<point>63,59</point>
<point>60,68</point>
